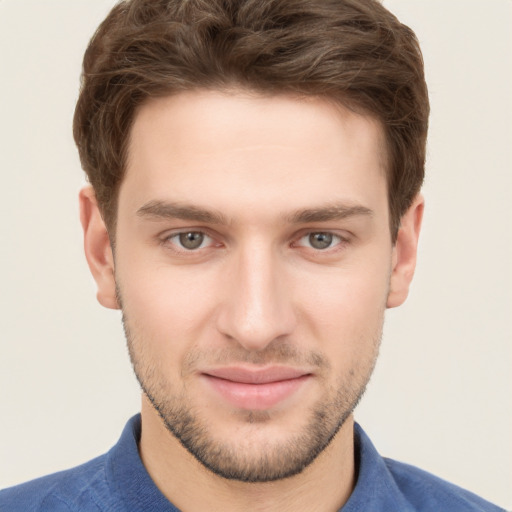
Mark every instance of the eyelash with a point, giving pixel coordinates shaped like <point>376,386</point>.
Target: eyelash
<point>167,240</point>
<point>339,241</point>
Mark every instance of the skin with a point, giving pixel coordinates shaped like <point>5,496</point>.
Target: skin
<point>257,293</point>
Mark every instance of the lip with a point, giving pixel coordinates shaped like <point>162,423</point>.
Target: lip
<point>256,388</point>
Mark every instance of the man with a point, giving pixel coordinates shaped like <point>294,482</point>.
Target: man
<point>255,169</point>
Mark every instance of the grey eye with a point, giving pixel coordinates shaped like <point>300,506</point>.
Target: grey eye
<point>191,240</point>
<point>320,240</point>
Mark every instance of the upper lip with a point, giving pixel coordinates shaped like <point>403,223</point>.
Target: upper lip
<point>256,375</point>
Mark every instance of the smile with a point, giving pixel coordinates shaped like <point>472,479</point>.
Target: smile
<point>256,389</point>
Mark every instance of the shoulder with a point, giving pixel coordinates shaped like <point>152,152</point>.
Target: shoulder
<point>428,492</point>
<point>79,488</point>
<point>384,484</point>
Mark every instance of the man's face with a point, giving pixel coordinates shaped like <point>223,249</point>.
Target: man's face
<point>252,262</point>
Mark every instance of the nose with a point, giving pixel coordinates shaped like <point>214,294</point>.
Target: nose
<point>258,305</point>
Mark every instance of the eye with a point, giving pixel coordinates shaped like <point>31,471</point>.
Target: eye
<point>320,240</point>
<point>190,240</point>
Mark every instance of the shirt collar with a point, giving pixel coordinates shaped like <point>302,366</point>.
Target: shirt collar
<point>375,489</point>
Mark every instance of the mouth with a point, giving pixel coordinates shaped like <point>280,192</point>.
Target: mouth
<point>256,388</point>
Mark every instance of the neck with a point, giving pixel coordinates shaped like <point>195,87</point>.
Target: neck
<point>325,485</point>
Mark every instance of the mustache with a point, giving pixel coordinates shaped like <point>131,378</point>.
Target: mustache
<point>276,352</point>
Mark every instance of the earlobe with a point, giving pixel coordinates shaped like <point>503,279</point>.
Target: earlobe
<point>97,248</point>
<point>405,252</point>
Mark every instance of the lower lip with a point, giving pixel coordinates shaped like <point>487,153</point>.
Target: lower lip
<point>256,396</point>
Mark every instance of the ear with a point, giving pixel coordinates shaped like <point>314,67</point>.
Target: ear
<point>404,253</point>
<point>98,250</point>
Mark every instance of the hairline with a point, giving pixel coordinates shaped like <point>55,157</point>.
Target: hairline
<point>338,102</point>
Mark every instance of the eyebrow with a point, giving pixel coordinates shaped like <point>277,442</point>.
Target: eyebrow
<point>157,210</point>
<point>329,213</point>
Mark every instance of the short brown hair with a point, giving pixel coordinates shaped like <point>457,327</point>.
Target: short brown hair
<point>353,51</point>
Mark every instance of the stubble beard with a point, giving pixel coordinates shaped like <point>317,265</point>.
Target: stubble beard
<point>267,463</point>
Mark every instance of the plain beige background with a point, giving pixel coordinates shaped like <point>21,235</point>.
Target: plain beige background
<point>441,395</point>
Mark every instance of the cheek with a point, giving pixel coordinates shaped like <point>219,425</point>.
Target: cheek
<point>344,308</point>
<point>166,307</point>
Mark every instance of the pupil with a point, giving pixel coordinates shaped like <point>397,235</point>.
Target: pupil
<point>191,240</point>
<point>320,240</point>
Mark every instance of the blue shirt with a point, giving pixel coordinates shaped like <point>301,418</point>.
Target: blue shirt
<point>118,482</point>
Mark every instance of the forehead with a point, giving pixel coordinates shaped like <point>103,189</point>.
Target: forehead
<point>237,148</point>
